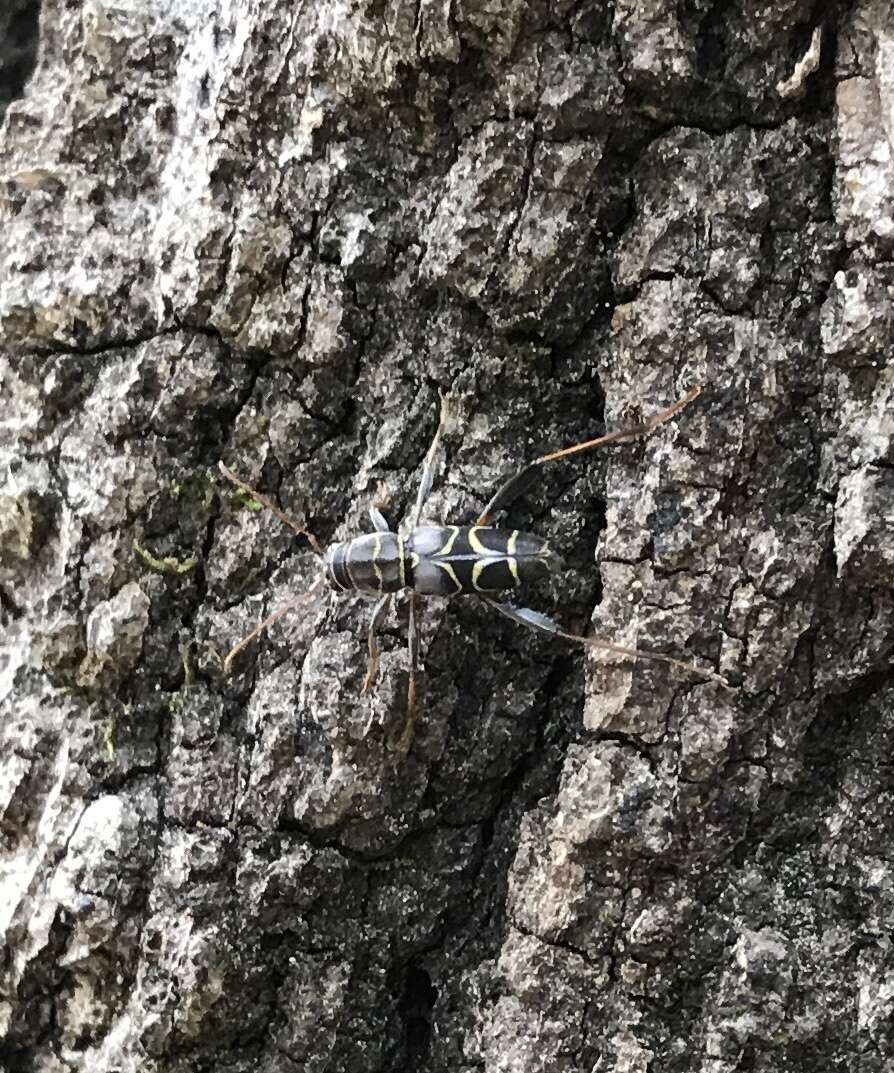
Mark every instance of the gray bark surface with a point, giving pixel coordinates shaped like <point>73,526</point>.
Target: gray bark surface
<point>271,234</point>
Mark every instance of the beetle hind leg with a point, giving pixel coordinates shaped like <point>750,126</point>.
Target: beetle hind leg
<point>534,620</point>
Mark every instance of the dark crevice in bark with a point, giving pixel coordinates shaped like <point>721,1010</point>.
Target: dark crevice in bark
<point>19,40</point>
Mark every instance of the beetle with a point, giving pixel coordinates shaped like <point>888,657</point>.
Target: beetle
<point>452,560</point>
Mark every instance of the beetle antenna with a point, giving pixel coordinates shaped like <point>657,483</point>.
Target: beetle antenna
<point>262,499</point>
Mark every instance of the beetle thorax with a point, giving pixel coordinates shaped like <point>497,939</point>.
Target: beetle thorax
<point>371,564</point>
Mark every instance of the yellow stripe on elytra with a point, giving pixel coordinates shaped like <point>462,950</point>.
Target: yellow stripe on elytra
<point>377,549</point>
<point>482,564</point>
<point>513,562</point>
<point>347,566</point>
<point>475,541</point>
<point>451,540</point>
<point>476,572</point>
<point>451,573</point>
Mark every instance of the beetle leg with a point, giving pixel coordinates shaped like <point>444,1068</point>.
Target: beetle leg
<point>378,520</point>
<point>534,620</point>
<point>267,623</point>
<point>261,498</point>
<point>372,664</point>
<point>513,488</point>
<point>406,737</point>
<point>428,472</point>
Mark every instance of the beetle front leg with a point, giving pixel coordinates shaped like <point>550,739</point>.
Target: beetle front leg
<point>406,738</point>
<point>272,507</point>
<point>372,664</point>
<point>428,471</point>
<point>378,520</point>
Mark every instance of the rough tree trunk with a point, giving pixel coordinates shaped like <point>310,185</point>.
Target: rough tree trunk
<point>271,234</point>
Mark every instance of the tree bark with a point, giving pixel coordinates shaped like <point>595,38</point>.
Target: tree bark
<point>273,235</point>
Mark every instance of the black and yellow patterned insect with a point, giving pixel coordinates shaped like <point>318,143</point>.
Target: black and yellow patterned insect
<point>452,560</point>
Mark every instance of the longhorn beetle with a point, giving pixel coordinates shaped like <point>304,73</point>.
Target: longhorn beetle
<point>452,560</point>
